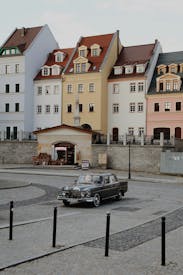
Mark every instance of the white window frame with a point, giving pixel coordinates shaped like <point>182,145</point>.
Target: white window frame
<point>132,87</point>
<point>167,106</point>
<point>91,87</point>
<point>140,86</point>
<point>132,107</point>
<point>140,107</point>
<point>116,88</point>
<point>56,108</point>
<point>39,90</point>
<point>69,88</point>
<point>39,109</point>
<point>91,107</point>
<point>47,109</point>
<point>131,131</point>
<point>80,88</point>
<point>115,108</point>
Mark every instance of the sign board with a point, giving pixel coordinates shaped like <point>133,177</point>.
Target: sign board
<point>85,164</point>
<point>102,159</point>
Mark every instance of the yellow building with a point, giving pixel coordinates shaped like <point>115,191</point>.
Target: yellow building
<point>85,81</point>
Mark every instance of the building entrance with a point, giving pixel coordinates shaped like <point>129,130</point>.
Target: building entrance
<point>65,152</point>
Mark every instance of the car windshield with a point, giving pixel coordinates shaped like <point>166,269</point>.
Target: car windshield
<point>92,179</point>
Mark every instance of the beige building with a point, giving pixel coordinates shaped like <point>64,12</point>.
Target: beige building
<point>85,77</point>
<point>65,144</point>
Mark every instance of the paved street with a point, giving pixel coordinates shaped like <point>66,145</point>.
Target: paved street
<point>135,224</point>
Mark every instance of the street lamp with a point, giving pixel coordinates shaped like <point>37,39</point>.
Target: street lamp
<point>129,164</point>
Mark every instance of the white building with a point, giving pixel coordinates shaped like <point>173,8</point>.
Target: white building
<point>127,87</point>
<point>48,90</point>
<point>21,57</point>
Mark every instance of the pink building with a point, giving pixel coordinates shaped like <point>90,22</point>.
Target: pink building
<point>165,97</point>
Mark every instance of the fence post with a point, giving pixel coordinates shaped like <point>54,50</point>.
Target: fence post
<point>107,234</point>
<point>11,221</point>
<point>163,241</point>
<point>54,226</point>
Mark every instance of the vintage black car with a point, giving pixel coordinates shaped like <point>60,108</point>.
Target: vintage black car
<point>93,188</point>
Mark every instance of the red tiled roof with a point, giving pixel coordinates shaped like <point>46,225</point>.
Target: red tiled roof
<point>22,38</point>
<point>63,126</point>
<point>51,61</point>
<point>103,41</point>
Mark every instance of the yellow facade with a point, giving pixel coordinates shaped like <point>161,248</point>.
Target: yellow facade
<point>98,118</point>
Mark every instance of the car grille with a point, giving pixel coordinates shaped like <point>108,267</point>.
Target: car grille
<point>75,194</point>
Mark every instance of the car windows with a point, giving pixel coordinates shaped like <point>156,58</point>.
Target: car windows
<point>106,180</point>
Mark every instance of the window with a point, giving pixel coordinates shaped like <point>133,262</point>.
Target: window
<point>178,106</point>
<point>91,107</point>
<point>47,109</point>
<point>7,69</point>
<point>168,86</point>
<point>161,86</point>
<point>80,108</point>
<point>17,107</point>
<point>115,88</point>
<point>56,108</point>
<point>17,88</point>
<point>39,109</point>
<point>82,53</point>
<point>140,68</point>
<point>7,88</point>
<point>115,108</point>
<point>140,107</point>
<point>80,88</point>
<point>132,107</point>
<point>141,131</point>
<point>140,86</point>
<point>131,131</point>
<point>17,68</point>
<point>128,69</point>
<point>69,88</point>
<point>47,90</point>
<point>45,71</point>
<point>77,67</point>
<point>69,108</point>
<point>56,89</point>
<point>83,67</point>
<point>132,87</point>
<point>39,90</point>
<point>91,87</point>
<point>175,85</point>
<point>117,70</point>
<point>156,107</point>
<point>7,107</point>
<point>59,57</point>
<point>55,70</point>
<point>167,106</point>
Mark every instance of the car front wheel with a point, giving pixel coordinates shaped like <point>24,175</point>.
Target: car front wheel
<point>66,203</point>
<point>96,200</point>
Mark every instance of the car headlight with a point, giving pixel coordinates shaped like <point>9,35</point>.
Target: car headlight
<point>83,194</point>
<point>63,194</point>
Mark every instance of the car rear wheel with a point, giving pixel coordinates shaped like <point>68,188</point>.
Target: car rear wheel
<point>96,201</point>
<point>66,203</point>
<point>119,196</point>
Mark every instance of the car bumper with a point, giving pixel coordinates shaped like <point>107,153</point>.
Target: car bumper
<point>74,200</point>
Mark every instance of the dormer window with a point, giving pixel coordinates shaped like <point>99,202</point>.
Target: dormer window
<point>173,68</point>
<point>45,71</point>
<point>56,70</point>
<point>140,68</point>
<point>81,65</point>
<point>117,70</point>
<point>129,69</point>
<point>83,51</point>
<point>9,51</point>
<point>161,69</point>
<point>95,50</point>
<point>181,67</point>
<point>59,57</point>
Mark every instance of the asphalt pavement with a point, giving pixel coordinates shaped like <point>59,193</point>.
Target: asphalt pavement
<point>80,250</point>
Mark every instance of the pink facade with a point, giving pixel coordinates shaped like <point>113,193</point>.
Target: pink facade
<point>170,114</point>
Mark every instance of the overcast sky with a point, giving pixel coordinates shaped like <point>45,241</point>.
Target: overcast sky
<point>139,21</point>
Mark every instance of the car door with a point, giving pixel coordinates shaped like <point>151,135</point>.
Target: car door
<point>114,185</point>
<point>107,187</point>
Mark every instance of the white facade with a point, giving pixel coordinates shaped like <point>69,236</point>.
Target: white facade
<point>47,103</point>
<point>127,102</point>
<point>22,69</point>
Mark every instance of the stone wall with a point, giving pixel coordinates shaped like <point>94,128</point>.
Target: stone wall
<point>17,152</point>
<point>143,158</point>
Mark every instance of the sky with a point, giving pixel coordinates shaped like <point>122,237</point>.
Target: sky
<point>139,21</point>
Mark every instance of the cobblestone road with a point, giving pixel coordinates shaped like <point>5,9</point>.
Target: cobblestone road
<point>130,238</point>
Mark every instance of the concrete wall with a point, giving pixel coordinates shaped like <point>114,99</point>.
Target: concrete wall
<point>17,152</point>
<point>143,158</point>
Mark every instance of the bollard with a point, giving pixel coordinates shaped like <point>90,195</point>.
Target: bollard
<point>54,226</point>
<point>11,221</point>
<point>107,235</point>
<point>163,241</point>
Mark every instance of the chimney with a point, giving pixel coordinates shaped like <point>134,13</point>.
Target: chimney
<point>23,31</point>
